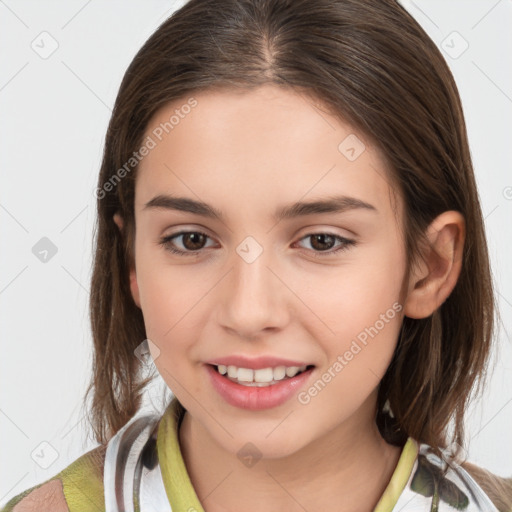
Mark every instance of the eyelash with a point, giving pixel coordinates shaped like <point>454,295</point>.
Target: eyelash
<point>166,243</point>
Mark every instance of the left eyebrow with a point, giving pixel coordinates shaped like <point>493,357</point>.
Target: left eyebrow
<point>334,204</point>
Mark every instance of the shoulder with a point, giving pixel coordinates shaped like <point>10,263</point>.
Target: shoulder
<point>48,497</point>
<point>498,489</point>
<point>78,487</point>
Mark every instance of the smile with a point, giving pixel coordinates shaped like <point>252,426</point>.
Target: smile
<point>259,378</point>
<point>259,389</point>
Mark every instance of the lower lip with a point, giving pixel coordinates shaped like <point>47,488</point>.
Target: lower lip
<point>253,397</point>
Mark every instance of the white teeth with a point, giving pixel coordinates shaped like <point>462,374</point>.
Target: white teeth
<point>291,371</point>
<point>245,374</point>
<point>263,375</point>
<point>260,377</point>
<point>279,373</point>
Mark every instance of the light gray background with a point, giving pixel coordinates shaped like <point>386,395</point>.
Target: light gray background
<point>54,113</point>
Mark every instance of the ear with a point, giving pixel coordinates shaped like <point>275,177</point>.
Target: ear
<point>134,287</point>
<point>434,277</point>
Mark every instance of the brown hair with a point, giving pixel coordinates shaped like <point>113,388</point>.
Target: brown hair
<point>371,64</point>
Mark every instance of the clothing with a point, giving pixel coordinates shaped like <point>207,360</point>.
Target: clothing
<point>416,485</point>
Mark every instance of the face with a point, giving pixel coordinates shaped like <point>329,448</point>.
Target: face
<point>318,286</point>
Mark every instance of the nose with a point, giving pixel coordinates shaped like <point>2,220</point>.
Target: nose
<point>254,300</point>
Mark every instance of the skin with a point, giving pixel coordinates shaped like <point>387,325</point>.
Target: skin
<point>247,154</point>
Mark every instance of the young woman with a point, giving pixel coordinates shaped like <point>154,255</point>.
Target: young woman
<point>288,221</point>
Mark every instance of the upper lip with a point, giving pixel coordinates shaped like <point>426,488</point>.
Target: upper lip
<point>255,363</point>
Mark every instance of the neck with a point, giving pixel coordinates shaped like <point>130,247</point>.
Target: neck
<point>347,469</point>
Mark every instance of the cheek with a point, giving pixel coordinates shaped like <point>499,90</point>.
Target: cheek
<point>165,292</point>
<point>172,299</point>
<point>360,310</point>
<point>359,291</point>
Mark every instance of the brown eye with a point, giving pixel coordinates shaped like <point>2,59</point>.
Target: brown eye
<point>191,241</point>
<point>322,241</point>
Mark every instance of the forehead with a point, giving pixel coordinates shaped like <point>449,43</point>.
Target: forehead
<point>241,150</point>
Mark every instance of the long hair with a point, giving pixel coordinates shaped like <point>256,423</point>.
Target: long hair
<point>372,65</point>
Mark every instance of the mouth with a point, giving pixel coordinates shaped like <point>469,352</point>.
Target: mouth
<point>259,389</point>
<point>262,377</point>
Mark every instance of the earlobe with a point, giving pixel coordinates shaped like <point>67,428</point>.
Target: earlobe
<point>433,279</point>
<point>119,221</point>
<point>134,287</point>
